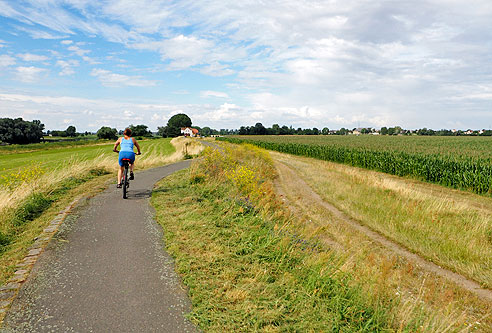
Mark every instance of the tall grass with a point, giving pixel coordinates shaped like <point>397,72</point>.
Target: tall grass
<point>443,226</point>
<point>432,300</point>
<point>251,266</point>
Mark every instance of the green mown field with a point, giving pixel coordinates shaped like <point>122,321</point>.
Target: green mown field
<point>50,156</point>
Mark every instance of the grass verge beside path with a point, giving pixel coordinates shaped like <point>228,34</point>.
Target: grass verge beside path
<point>36,216</point>
<point>250,266</point>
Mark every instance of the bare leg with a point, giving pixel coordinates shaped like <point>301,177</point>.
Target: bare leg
<point>131,167</point>
<point>120,174</point>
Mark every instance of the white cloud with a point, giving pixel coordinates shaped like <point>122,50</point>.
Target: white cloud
<point>40,34</point>
<point>32,57</point>
<point>67,66</point>
<point>183,51</point>
<point>225,112</point>
<point>6,60</point>
<point>29,74</point>
<point>66,42</point>
<point>216,69</point>
<point>78,51</point>
<point>110,79</point>
<point>210,93</point>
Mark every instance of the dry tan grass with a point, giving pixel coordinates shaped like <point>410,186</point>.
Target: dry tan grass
<point>445,307</point>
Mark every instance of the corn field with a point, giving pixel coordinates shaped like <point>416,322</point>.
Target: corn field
<point>463,172</point>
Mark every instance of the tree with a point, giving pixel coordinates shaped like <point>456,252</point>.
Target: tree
<point>259,129</point>
<point>175,123</point>
<point>384,130</point>
<point>107,133</point>
<point>71,131</point>
<point>19,131</point>
<point>206,131</point>
<point>275,129</point>
<point>140,130</point>
<point>162,131</point>
<point>325,131</point>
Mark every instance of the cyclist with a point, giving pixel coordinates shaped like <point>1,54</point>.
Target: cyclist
<point>126,151</point>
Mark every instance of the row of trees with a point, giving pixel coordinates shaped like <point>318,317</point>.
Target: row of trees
<point>20,131</point>
<point>259,129</point>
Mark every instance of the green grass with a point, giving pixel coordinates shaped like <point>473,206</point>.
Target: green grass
<point>53,156</point>
<point>243,275</point>
<point>48,144</point>
<point>450,228</point>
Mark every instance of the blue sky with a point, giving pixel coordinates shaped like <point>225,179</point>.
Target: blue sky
<point>227,63</point>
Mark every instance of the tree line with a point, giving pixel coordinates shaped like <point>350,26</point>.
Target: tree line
<point>19,131</point>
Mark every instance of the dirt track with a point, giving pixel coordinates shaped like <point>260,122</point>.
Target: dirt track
<point>289,179</point>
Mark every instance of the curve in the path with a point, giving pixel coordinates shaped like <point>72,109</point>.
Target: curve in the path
<point>106,270</point>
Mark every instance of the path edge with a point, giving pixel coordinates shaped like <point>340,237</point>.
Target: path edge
<point>10,290</point>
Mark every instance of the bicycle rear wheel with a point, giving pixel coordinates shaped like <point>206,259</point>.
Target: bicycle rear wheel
<point>125,182</point>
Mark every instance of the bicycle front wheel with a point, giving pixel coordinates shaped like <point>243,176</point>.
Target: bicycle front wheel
<point>125,182</point>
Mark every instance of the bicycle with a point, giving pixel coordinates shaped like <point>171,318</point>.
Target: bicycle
<point>125,181</point>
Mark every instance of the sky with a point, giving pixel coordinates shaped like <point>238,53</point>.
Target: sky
<point>331,63</point>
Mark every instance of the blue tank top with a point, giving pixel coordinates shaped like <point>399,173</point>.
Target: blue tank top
<point>126,145</point>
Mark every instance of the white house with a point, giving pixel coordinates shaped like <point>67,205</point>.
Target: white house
<point>189,131</point>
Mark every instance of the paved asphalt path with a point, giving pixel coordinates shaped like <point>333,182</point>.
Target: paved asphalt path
<point>106,270</point>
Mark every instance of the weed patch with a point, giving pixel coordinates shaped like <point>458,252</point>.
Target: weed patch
<point>32,208</point>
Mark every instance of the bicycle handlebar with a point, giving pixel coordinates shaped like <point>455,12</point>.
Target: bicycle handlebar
<point>117,151</point>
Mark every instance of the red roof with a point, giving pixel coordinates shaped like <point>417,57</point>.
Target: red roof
<point>194,130</point>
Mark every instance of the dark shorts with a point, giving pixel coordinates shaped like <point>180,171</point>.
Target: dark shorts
<point>126,154</point>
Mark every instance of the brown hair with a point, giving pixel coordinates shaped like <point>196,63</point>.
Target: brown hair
<point>127,132</point>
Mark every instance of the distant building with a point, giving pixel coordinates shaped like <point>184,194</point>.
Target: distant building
<point>189,131</point>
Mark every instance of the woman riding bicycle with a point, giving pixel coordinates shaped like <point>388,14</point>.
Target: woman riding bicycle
<point>126,151</point>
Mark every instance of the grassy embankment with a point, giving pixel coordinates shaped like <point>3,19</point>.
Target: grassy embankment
<point>420,216</point>
<point>35,185</point>
<point>446,228</point>
<point>251,265</point>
